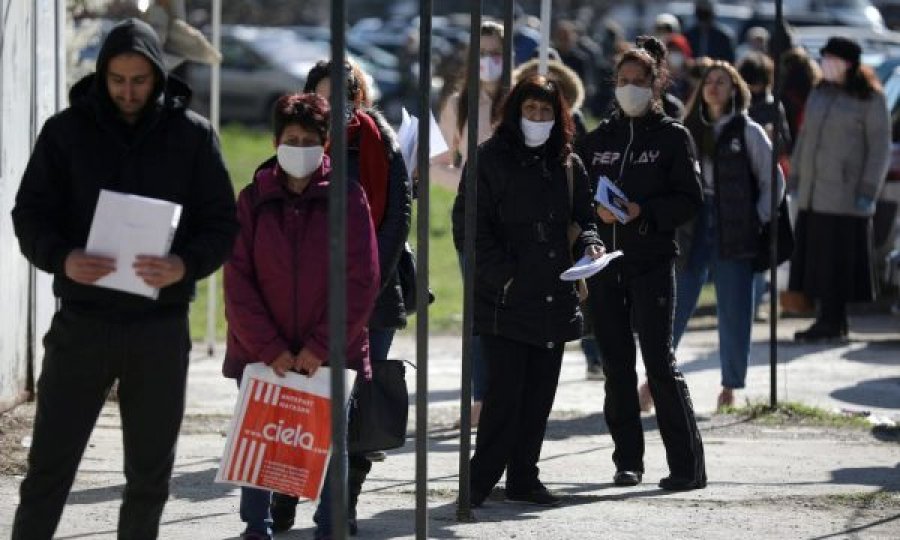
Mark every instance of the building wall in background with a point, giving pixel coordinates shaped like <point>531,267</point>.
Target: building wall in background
<point>30,88</point>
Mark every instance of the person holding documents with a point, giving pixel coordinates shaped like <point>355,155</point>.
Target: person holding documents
<point>736,161</point>
<point>127,130</point>
<point>647,185</point>
<point>524,312</point>
<point>276,281</point>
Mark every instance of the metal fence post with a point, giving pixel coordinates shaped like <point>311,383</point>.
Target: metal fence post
<point>463,509</point>
<point>337,256</point>
<point>422,245</point>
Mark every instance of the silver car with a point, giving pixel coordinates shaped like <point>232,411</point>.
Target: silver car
<point>259,64</point>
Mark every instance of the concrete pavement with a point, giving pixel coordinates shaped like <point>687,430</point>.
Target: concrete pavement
<point>765,481</point>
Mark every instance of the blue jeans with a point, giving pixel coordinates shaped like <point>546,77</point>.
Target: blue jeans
<point>591,351</point>
<point>380,340</point>
<point>479,367</point>
<point>733,280</point>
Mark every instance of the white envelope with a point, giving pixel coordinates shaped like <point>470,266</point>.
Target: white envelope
<point>586,267</point>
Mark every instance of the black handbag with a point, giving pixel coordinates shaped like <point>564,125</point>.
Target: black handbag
<point>762,261</point>
<point>379,409</point>
<point>406,270</point>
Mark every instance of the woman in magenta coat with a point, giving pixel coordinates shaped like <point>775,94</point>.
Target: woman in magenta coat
<point>276,281</point>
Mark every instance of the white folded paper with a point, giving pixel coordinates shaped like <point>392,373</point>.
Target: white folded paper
<point>612,198</point>
<point>408,137</point>
<point>126,226</point>
<point>586,267</point>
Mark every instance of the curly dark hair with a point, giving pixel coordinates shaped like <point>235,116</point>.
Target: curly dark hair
<point>308,110</point>
<point>358,92</point>
<point>539,88</point>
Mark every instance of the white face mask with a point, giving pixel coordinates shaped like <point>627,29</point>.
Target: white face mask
<point>634,100</point>
<point>536,133</point>
<point>299,161</point>
<point>834,69</point>
<point>491,68</point>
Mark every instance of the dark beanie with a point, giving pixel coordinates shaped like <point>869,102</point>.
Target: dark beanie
<point>844,48</point>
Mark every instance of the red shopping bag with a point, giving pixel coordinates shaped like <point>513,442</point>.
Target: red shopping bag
<point>280,437</point>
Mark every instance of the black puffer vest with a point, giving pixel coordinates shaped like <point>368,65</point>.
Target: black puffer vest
<point>736,193</point>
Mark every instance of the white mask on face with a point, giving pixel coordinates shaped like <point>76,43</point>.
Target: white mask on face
<point>834,69</point>
<point>676,60</point>
<point>634,100</point>
<point>536,133</point>
<point>491,68</point>
<point>299,161</point>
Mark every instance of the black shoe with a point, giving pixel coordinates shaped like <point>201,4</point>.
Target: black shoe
<point>538,495</point>
<point>627,478</point>
<point>284,510</point>
<point>679,483</point>
<point>476,500</point>
<point>823,332</point>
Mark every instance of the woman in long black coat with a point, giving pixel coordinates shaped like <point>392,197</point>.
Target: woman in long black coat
<point>524,313</point>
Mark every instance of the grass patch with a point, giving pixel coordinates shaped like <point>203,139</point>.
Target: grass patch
<point>872,499</point>
<point>796,414</point>
<point>243,149</point>
<point>445,280</point>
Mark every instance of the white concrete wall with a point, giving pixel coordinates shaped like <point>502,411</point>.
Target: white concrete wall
<point>30,91</point>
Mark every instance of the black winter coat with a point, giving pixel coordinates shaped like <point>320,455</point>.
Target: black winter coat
<point>389,311</point>
<point>651,159</point>
<point>171,153</point>
<point>521,245</point>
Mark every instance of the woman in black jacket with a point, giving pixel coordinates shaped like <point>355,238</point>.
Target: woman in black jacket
<point>650,157</point>
<point>524,313</point>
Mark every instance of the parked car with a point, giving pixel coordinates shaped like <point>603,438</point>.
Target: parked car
<point>258,65</point>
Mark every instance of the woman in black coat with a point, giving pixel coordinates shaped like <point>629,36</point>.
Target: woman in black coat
<point>524,313</point>
<point>650,157</point>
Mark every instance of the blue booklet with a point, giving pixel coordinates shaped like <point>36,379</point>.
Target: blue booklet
<point>612,198</point>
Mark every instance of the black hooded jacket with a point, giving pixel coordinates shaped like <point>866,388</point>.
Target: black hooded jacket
<point>170,153</point>
<point>652,160</point>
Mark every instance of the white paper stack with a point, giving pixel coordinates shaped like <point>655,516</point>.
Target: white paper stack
<point>586,267</point>
<point>408,137</point>
<point>126,226</point>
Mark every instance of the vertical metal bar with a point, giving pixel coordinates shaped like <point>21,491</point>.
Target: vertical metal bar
<point>463,510</point>
<point>544,47</point>
<point>214,101</point>
<point>508,9</point>
<point>337,295</point>
<point>422,245</point>
<point>773,222</point>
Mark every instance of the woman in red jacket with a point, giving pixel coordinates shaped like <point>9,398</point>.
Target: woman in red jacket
<point>276,282</point>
